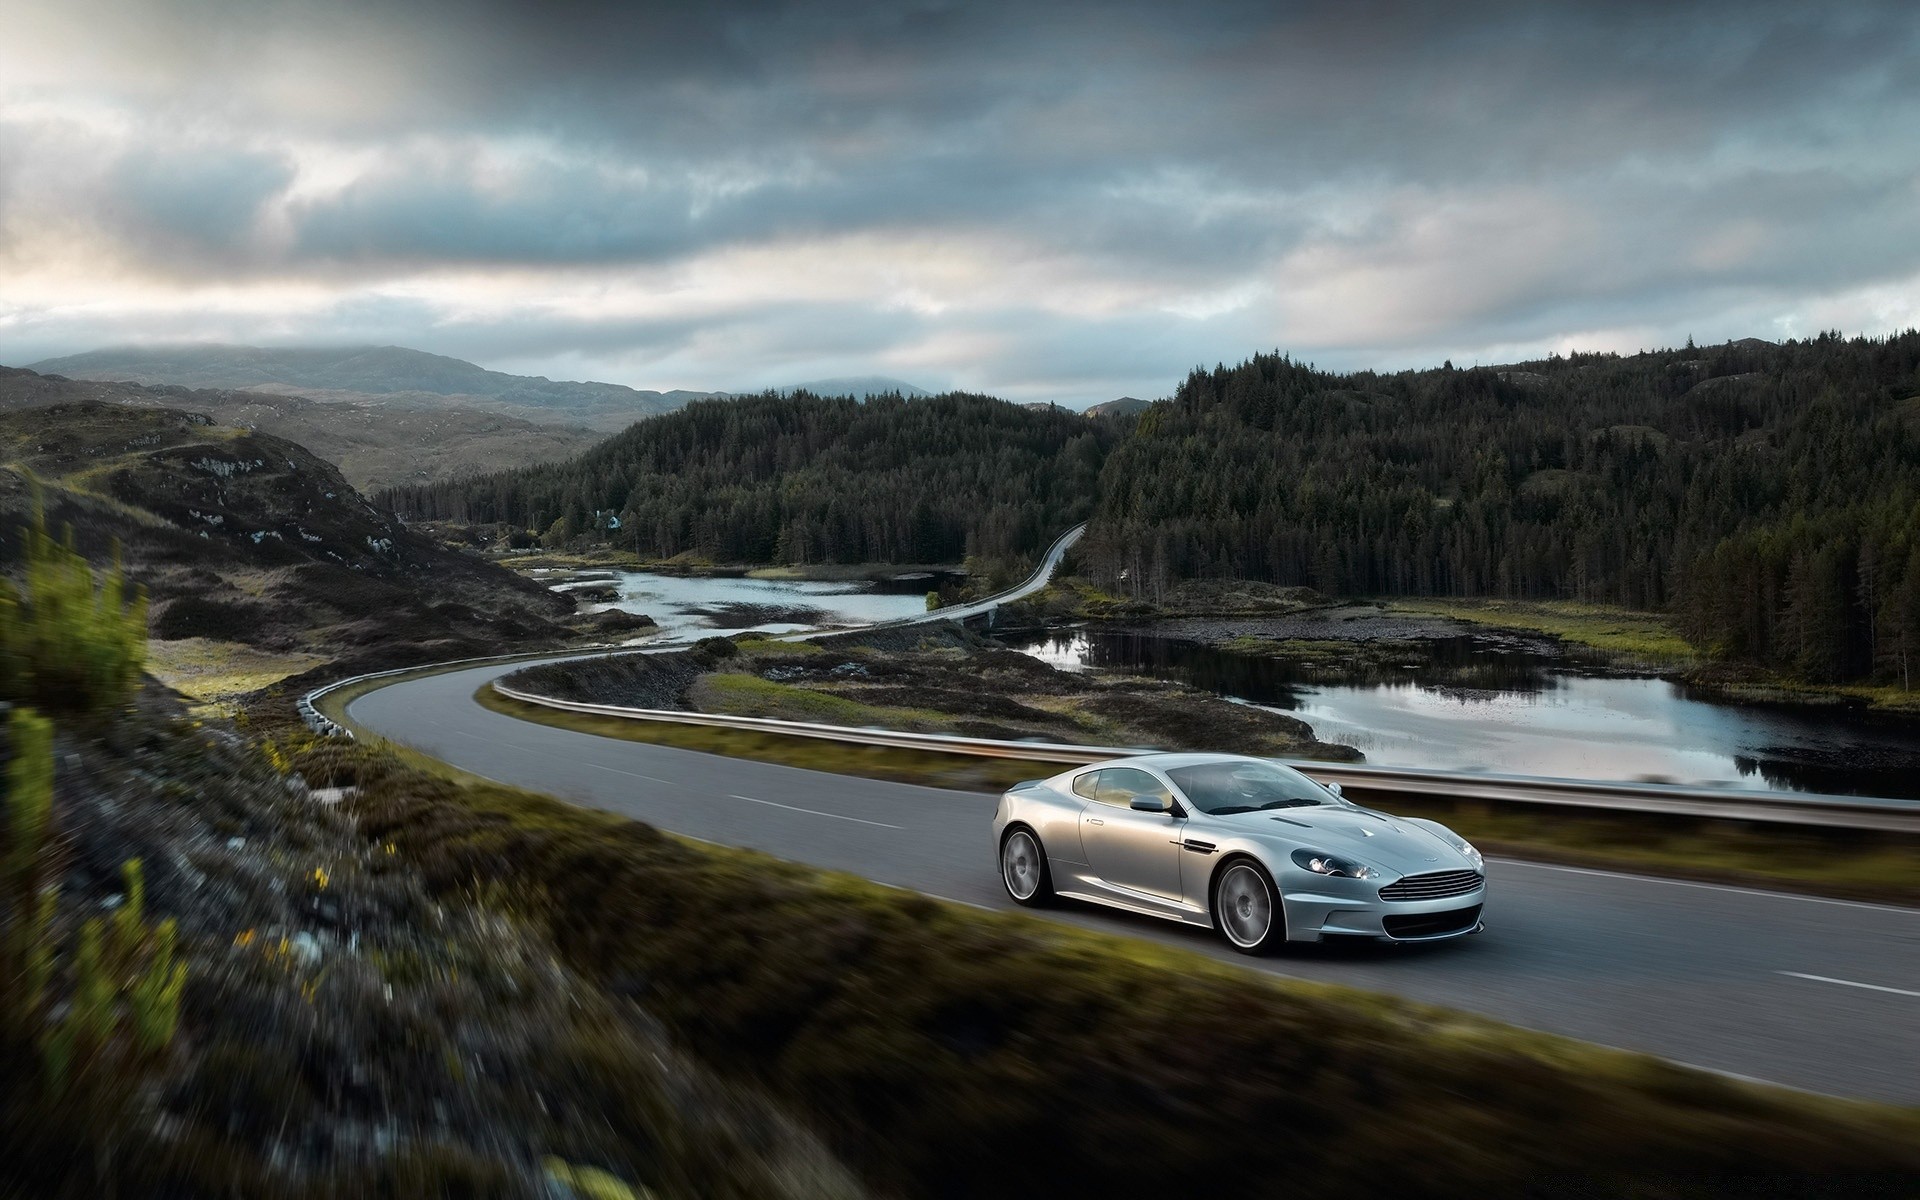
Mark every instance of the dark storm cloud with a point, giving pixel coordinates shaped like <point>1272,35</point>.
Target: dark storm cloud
<point>1367,180</point>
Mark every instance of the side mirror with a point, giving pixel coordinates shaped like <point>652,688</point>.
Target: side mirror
<point>1147,804</point>
<point>1335,789</point>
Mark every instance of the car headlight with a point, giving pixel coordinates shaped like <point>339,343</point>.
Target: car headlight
<point>1466,847</point>
<point>1332,864</point>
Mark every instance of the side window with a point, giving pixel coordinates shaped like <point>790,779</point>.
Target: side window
<point>1119,785</point>
<point>1084,786</point>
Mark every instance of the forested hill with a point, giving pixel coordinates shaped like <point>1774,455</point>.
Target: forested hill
<point>1768,494</point>
<point>800,479</point>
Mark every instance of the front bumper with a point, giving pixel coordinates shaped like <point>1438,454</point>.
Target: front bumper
<point>1324,912</point>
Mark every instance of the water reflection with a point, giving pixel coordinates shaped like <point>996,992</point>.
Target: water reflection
<point>695,604</point>
<point>1470,703</point>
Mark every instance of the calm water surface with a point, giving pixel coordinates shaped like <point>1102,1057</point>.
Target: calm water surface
<point>693,605</point>
<point>1525,715</point>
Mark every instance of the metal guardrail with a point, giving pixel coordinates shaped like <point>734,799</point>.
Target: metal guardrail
<point>1782,808</point>
<point>325,726</point>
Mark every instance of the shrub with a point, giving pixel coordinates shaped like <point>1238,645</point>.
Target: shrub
<point>68,644</point>
<point>27,946</point>
<point>125,986</point>
<point>710,650</point>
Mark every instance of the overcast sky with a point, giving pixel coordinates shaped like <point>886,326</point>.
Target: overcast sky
<point>1044,201</point>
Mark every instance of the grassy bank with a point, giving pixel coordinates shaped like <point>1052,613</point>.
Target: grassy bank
<point>931,1044</point>
<point>1620,633</point>
<point>743,695</point>
<point>219,675</point>
<point>813,754</point>
<point>1752,686</point>
<point>1631,638</point>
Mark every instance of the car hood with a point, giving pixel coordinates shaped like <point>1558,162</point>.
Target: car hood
<point>1400,845</point>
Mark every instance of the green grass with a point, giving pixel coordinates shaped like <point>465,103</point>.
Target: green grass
<point>743,695</point>
<point>962,772</point>
<point>1624,632</point>
<point>928,1042</point>
<point>755,646</point>
<point>1767,687</point>
<point>217,674</point>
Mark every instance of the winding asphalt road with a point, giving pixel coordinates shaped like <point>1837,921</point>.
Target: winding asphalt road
<point>1812,993</point>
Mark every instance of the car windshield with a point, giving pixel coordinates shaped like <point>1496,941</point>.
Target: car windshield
<point>1221,788</point>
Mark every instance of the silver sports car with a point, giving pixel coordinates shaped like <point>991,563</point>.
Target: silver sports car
<point>1244,845</point>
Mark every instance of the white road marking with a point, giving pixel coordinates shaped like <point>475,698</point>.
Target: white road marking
<point>630,774</point>
<point>814,812</point>
<point>1871,987</point>
<point>1711,887</point>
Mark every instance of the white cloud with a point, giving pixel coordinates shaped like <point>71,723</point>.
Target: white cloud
<point>1058,202</point>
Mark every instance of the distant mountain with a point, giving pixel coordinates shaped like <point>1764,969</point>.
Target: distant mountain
<point>241,536</point>
<point>858,386</point>
<point>397,376</point>
<point>376,444</point>
<point>1125,406</point>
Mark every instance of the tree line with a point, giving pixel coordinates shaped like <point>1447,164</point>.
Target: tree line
<point>1768,496</point>
<point>807,479</point>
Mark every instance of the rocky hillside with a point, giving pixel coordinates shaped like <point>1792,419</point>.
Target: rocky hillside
<point>390,376</point>
<point>376,444</point>
<point>243,537</point>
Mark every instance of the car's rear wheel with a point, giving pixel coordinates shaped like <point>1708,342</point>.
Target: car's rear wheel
<point>1246,907</point>
<point>1023,868</point>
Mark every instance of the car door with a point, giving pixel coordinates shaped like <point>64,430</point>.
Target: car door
<point>1131,850</point>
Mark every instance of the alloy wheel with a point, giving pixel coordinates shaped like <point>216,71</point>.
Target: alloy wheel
<point>1020,865</point>
<point>1244,905</point>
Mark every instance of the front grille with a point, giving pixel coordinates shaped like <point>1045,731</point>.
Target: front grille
<point>1419,925</point>
<point>1436,885</point>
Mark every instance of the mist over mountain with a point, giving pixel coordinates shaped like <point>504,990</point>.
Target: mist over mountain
<point>400,376</point>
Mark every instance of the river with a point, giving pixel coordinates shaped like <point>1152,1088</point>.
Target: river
<point>693,604</point>
<point>1526,713</point>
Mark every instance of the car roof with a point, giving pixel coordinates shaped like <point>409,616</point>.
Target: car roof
<point>1167,761</point>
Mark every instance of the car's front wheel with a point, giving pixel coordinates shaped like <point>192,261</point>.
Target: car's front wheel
<point>1023,868</point>
<point>1246,907</point>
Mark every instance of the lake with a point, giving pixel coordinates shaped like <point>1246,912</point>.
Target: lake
<point>1527,714</point>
